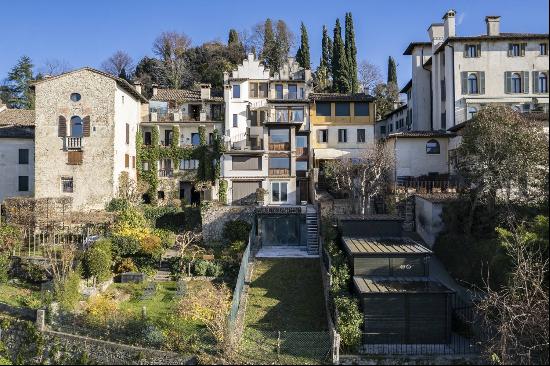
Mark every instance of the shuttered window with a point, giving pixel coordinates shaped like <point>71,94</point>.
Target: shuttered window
<point>62,127</point>
<point>472,82</point>
<point>127,134</point>
<point>126,161</point>
<point>516,49</point>
<point>74,157</point>
<point>540,82</point>
<point>516,82</point>
<point>246,163</point>
<point>472,50</point>
<point>86,126</point>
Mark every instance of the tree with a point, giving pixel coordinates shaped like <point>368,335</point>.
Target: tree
<point>340,82</point>
<point>351,54</point>
<point>54,67</point>
<point>369,76</point>
<point>323,74</point>
<point>503,156</point>
<point>16,91</point>
<point>385,96</point>
<point>269,48</point>
<point>233,37</point>
<point>117,63</point>
<point>171,48</point>
<point>302,56</point>
<point>392,71</point>
<point>364,177</point>
<point>150,71</point>
<point>515,317</point>
<point>284,40</point>
<point>97,262</point>
<point>209,61</point>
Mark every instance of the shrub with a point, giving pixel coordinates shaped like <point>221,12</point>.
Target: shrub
<point>201,267</point>
<point>66,292</point>
<point>238,247</point>
<point>150,245</point>
<point>10,237</point>
<point>126,265</point>
<point>350,320</point>
<point>117,204</point>
<point>125,246</point>
<point>4,267</point>
<point>97,263</point>
<point>33,273</point>
<point>153,336</point>
<point>100,309</point>
<point>207,268</point>
<point>236,230</point>
<point>167,237</point>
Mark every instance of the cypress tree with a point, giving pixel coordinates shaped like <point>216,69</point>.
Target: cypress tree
<point>326,51</point>
<point>340,82</point>
<point>351,54</point>
<point>282,45</point>
<point>233,37</point>
<point>392,71</point>
<point>269,47</point>
<point>302,56</point>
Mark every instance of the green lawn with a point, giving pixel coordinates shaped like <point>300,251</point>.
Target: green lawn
<point>20,294</point>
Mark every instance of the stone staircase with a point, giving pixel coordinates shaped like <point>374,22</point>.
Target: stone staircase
<point>312,223</point>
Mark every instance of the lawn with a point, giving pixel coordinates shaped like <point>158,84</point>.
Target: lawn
<point>20,294</point>
<point>285,319</point>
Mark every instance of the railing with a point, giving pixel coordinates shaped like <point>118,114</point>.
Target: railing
<point>426,186</point>
<point>72,143</point>
<point>279,146</point>
<point>301,151</point>
<point>166,173</point>
<point>279,172</point>
<point>178,116</point>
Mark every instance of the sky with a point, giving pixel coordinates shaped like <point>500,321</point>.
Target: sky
<point>85,33</point>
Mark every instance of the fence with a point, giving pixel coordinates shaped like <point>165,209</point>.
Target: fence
<point>426,186</point>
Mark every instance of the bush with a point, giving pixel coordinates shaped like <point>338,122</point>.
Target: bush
<point>100,309</point>
<point>238,247</point>
<point>236,230</point>
<point>125,246</point>
<point>167,237</point>
<point>117,204</point>
<point>97,262</point>
<point>151,246</point>
<point>4,267</point>
<point>126,265</point>
<point>207,268</point>
<point>33,273</point>
<point>66,293</point>
<point>350,320</point>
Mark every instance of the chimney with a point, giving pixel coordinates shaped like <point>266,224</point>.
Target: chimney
<point>137,85</point>
<point>493,25</point>
<point>155,89</point>
<point>436,34</point>
<point>449,23</point>
<point>205,91</point>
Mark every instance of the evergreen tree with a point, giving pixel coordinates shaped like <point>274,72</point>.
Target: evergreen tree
<point>16,91</point>
<point>302,56</point>
<point>268,49</point>
<point>282,45</point>
<point>150,71</point>
<point>351,54</point>
<point>392,71</point>
<point>233,37</point>
<point>340,82</point>
<point>123,74</point>
<point>326,52</point>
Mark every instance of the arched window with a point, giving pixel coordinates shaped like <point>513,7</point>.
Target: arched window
<point>543,82</point>
<point>516,83</point>
<point>432,147</point>
<point>76,127</point>
<point>472,112</point>
<point>472,84</point>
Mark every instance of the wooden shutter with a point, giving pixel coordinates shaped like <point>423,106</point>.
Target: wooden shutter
<point>522,48</point>
<point>464,83</point>
<point>525,83</point>
<point>74,157</point>
<point>478,50</point>
<point>535,82</point>
<point>62,127</point>
<point>86,126</point>
<point>128,134</point>
<point>481,80</point>
<point>133,162</point>
<point>507,82</point>
<point>126,161</point>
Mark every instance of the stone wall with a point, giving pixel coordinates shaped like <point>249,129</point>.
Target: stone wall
<point>215,216</point>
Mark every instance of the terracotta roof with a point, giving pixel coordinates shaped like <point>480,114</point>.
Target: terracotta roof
<point>17,117</point>
<point>421,134</point>
<point>412,45</point>
<point>396,110</point>
<point>378,285</point>
<point>501,37</point>
<point>336,97</point>
<point>121,82</point>
<point>182,95</point>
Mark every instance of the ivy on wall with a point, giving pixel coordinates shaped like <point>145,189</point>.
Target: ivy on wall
<point>222,191</point>
<point>209,167</point>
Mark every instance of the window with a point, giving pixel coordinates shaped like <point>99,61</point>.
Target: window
<point>253,90</point>
<point>342,109</point>
<point>277,136</point>
<point>147,138</point>
<point>472,50</point>
<point>236,91</point>
<point>279,191</point>
<point>361,109</point>
<point>342,135</point>
<point>189,164</point>
<point>301,165</point>
<point>160,195</point>
<point>543,49</point>
<point>235,121</point>
<point>472,84</point>
<point>516,49</point>
<point>322,109</point>
<point>75,97</point>
<point>263,90</point>
<point>216,112</point>
<point>322,136</point>
<point>292,91</point>
<point>301,95</point>
<point>126,160</point>
<point>542,83</point>
<point>281,114</point>
<point>444,120</point>
<point>23,156</point>
<point>246,163</point>
<point>210,138</point>
<point>472,112</point>
<point>145,166</point>
<point>127,134</point>
<point>391,127</point>
<point>195,139</point>
<point>297,114</point>
<point>279,91</point>
<point>133,162</point>
<point>382,130</point>
<point>76,127</point>
<point>432,147</point>
<point>23,184</point>
<point>360,135</point>
<point>516,83</point>
<point>301,141</point>
<point>67,184</point>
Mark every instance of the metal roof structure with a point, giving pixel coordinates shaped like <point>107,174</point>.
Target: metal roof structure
<point>398,285</point>
<point>386,246</point>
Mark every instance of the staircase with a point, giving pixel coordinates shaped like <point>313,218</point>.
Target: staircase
<point>312,223</point>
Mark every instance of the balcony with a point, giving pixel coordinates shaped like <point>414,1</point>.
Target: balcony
<point>72,143</point>
<point>166,173</point>
<point>177,116</point>
<point>279,146</point>
<point>279,172</point>
<point>301,152</point>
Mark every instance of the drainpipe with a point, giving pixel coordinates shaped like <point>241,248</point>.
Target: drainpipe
<point>453,78</point>
<point>431,91</point>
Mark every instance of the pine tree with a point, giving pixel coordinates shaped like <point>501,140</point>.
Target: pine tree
<point>268,50</point>
<point>302,56</point>
<point>17,92</point>
<point>233,37</point>
<point>340,82</point>
<point>392,71</point>
<point>351,54</point>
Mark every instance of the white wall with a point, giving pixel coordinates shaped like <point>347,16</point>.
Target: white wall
<point>10,169</point>
<point>333,136</point>
<point>428,219</point>
<point>412,159</point>
<point>421,97</point>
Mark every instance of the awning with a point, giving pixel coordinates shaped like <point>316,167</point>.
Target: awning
<point>330,153</point>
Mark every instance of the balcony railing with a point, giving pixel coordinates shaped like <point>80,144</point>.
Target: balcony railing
<point>166,173</point>
<point>72,143</point>
<point>178,116</point>
<point>279,172</point>
<point>279,146</point>
<point>301,151</point>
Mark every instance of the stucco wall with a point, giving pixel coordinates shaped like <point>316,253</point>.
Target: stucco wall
<point>428,220</point>
<point>10,169</point>
<point>411,158</point>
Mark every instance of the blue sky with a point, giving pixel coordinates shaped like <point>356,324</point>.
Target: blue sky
<point>84,33</point>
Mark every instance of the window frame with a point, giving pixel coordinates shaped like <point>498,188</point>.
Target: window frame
<point>279,197</point>
<point>361,132</point>
<point>362,104</point>
<point>542,46</point>
<point>25,158</point>
<point>76,96</point>
<point>74,122</point>
<point>342,132</point>
<point>469,48</point>
<point>23,182</point>
<point>322,113</point>
<point>236,93</point>
<point>433,150</point>
<point>339,113</point>
<point>542,78</point>
<point>473,83</point>
<point>282,90</point>
<point>322,136</point>
<point>67,184</point>
<point>516,81</point>
<point>235,120</point>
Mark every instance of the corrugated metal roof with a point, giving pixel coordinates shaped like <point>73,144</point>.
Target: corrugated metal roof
<point>390,246</point>
<point>389,285</point>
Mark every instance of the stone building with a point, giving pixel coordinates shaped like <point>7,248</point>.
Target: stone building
<point>85,129</point>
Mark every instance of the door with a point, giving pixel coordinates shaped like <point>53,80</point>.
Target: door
<point>283,230</point>
<point>244,192</point>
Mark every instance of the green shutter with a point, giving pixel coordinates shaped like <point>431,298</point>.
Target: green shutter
<point>481,79</point>
<point>525,84</point>
<point>535,82</point>
<point>464,82</point>
<point>522,47</point>
<point>478,50</point>
<point>507,82</point>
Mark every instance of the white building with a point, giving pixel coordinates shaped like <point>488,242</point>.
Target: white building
<point>16,153</point>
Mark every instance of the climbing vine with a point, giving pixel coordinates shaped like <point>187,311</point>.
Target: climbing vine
<point>209,168</point>
<point>222,191</point>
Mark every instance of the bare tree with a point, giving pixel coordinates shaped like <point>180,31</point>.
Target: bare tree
<point>370,75</point>
<point>186,241</point>
<point>386,97</point>
<point>253,38</point>
<point>54,67</point>
<point>171,47</point>
<point>363,177</point>
<point>61,257</point>
<point>118,62</point>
